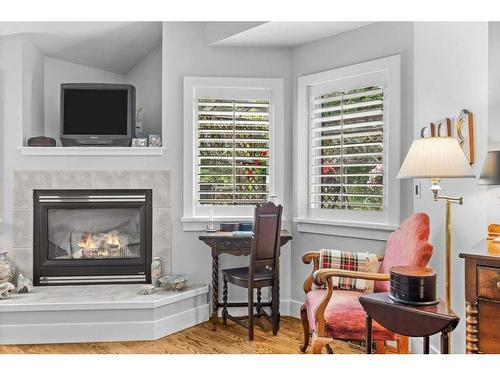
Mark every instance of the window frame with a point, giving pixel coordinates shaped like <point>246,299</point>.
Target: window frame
<point>195,217</point>
<point>386,72</point>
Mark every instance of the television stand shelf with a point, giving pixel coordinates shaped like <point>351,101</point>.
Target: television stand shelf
<point>92,151</point>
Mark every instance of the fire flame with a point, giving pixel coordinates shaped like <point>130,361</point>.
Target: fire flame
<point>113,240</point>
<point>87,241</point>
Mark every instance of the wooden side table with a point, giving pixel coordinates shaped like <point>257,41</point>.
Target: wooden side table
<point>226,243</point>
<point>407,320</point>
<point>482,297</point>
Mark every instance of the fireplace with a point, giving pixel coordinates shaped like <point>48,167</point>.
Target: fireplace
<point>92,236</point>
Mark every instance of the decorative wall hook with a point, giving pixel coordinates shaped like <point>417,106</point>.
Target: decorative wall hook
<point>464,132</point>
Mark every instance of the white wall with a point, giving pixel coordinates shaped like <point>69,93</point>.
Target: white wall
<point>146,77</point>
<point>11,100</point>
<point>364,44</point>
<point>185,53</point>
<point>42,78</point>
<point>493,191</point>
<point>451,73</point>
<point>217,31</point>
<point>33,96</point>
<point>58,71</point>
<point>494,86</point>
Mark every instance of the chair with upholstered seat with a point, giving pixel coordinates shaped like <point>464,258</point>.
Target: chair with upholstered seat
<point>337,314</point>
<point>262,271</point>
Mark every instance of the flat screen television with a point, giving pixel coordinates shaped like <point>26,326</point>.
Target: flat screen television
<point>97,114</point>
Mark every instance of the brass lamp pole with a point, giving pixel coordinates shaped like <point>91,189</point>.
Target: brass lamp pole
<point>436,158</point>
<point>435,188</point>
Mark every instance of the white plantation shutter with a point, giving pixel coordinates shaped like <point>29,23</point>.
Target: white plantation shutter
<point>233,151</point>
<point>347,149</point>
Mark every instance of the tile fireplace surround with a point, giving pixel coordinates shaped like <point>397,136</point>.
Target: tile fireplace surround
<point>25,181</point>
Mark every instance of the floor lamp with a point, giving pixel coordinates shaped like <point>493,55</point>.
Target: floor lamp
<point>437,158</point>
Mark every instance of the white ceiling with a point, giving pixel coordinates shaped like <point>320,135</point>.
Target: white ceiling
<point>113,46</point>
<point>287,34</point>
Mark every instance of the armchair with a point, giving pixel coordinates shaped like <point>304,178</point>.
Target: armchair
<point>337,314</point>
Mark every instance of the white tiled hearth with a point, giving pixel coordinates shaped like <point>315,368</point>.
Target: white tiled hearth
<point>89,313</point>
<point>59,314</point>
<point>24,182</point>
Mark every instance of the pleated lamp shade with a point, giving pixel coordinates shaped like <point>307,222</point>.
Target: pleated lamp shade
<point>490,175</point>
<point>435,157</point>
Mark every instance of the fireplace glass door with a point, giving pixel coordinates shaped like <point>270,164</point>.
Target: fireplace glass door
<point>113,233</point>
<point>92,236</point>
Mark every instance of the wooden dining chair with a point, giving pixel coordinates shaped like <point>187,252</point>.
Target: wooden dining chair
<point>263,270</point>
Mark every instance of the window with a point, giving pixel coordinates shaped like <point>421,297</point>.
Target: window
<point>232,147</point>
<point>233,152</point>
<point>347,133</point>
<point>348,146</point>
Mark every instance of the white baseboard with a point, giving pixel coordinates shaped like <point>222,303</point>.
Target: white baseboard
<point>102,331</point>
<point>416,346</point>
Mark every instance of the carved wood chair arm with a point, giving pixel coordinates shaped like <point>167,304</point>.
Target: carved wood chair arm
<point>308,257</point>
<point>322,275</point>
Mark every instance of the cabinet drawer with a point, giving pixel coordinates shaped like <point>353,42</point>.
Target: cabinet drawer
<point>489,333</point>
<point>489,282</point>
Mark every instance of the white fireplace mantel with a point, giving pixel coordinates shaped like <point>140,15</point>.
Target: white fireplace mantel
<point>92,151</point>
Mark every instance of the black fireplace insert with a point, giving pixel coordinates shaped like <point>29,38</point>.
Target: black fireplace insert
<point>92,236</point>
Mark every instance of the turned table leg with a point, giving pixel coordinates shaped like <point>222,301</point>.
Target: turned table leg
<point>368,335</point>
<point>445,339</point>
<point>215,290</point>
<point>472,328</point>
<point>426,345</point>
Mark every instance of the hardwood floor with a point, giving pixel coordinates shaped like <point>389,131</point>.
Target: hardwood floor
<point>200,339</point>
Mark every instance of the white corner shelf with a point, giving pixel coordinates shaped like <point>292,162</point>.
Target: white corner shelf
<point>92,151</point>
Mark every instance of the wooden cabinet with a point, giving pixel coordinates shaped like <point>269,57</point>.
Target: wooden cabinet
<point>482,297</point>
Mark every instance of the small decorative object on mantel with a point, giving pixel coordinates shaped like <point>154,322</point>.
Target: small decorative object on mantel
<point>147,289</point>
<point>174,282</point>
<point>41,142</point>
<point>7,268</point>
<point>5,289</point>
<point>413,286</point>
<point>155,271</point>
<point>139,142</point>
<point>154,140</point>
<point>24,285</point>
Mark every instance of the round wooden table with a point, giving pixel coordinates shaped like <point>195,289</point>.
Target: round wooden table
<point>408,320</point>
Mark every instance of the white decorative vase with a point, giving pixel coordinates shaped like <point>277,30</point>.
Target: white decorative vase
<point>7,268</point>
<point>156,271</point>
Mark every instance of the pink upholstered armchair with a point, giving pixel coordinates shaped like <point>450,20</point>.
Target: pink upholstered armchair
<point>337,314</point>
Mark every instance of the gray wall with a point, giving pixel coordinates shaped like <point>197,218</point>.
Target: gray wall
<point>185,53</point>
<point>493,191</point>
<point>364,44</point>
<point>33,82</point>
<point>146,77</point>
<point>494,86</point>
<point>451,70</point>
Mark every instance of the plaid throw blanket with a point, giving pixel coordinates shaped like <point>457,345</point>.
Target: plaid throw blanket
<point>347,260</point>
